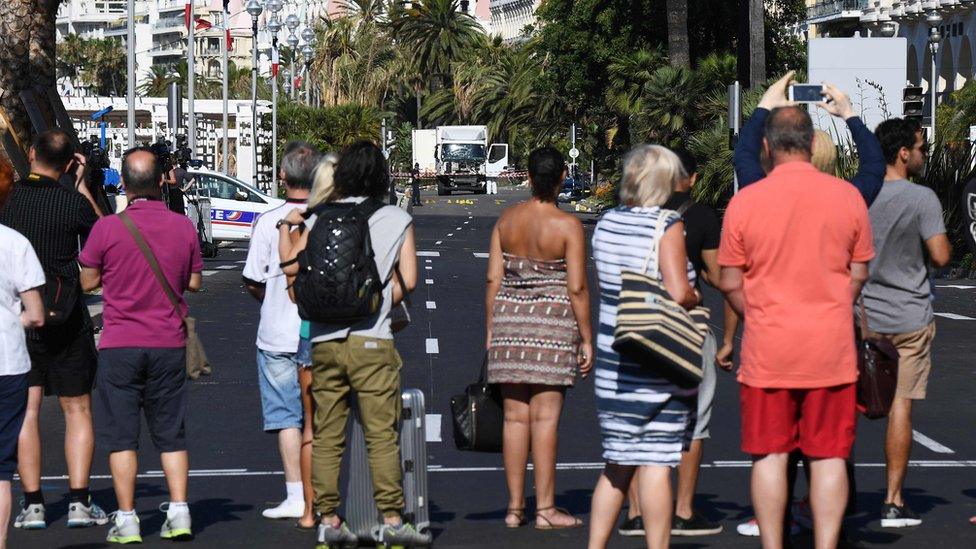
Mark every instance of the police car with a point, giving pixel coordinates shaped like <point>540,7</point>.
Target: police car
<point>234,205</point>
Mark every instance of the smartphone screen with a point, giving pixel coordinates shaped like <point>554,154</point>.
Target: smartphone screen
<point>806,93</point>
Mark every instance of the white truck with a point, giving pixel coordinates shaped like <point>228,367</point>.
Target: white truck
<point>459,157</point>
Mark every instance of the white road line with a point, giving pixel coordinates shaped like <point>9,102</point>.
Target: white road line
<point>482,255</point>
<point>954,316</point>
<point>450,234</point>
<point>429,281</point>
<point>208,273</point>
<point>930,444</point>
<point>242,262</point>
<point>226,267</point>
<point>433,468</point>
<point>466,222</point>
<point>433,425</point>
<point>431,305</point>
<point>432,347</point>
<point>956,286</point>
<point>438,242</point>
<point>457,228</point>
<point>428,254</point>
<point>428,267</point>
<point>428,261</point>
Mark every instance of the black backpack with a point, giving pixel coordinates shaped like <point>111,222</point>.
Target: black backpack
<point>338,282</point>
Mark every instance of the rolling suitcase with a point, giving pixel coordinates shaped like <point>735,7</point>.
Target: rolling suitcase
<point>361,513</point>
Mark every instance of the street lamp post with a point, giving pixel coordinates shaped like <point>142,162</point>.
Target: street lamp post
<point>308,35</point>
<point>292,22</point>
<point>130,92</point>
<point>254,8</point>
<point>274,27</point>
<point>935,37</point>
<point>191,73</point>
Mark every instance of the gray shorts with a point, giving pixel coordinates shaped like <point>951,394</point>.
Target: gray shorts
<point>706,390</point>
<point>134,379</point>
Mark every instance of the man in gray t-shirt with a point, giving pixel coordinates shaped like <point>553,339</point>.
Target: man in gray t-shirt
<point>909,236</point>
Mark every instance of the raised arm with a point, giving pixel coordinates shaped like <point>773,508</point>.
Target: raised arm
<point>748,168</point>
<point>579,293</point>
<point>871,162</point>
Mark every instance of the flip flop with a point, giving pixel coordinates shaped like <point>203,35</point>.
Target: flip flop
<point>577,523</point>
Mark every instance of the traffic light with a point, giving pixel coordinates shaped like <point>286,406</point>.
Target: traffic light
<point>912,103</point>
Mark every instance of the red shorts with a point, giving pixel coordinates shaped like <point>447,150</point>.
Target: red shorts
<point>818,422</point>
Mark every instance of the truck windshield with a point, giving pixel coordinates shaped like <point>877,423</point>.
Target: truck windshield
<point>463,152</point>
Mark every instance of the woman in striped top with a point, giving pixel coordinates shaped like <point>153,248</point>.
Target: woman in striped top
<point>538,332</point>
<point>645,419</point>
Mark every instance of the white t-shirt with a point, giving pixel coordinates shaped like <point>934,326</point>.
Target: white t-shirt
<point>279,327</point>
<point>387,231</point>
<point>21,272</point>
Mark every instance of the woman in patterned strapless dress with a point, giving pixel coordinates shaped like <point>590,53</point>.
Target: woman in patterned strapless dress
<point>538,332</point>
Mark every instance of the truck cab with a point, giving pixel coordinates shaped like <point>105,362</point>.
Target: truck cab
<point>462,159</point>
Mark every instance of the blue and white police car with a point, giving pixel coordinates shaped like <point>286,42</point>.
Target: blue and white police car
<point>234,204</point>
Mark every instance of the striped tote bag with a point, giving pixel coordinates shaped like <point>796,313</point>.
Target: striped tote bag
<point>654,330</point>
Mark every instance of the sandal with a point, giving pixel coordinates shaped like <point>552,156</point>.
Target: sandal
<point>519,513</point>
<point>550,526</point>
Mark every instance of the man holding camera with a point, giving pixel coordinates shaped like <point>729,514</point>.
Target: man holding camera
<point>62,353</point>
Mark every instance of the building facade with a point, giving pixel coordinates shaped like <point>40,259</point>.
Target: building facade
<point>907,18</point>
<point>512,18</point>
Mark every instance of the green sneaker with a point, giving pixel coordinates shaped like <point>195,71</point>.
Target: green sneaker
<point>177,525</point>
<point>330,537</point>
<point>402,535</point>
<point>125,529</point>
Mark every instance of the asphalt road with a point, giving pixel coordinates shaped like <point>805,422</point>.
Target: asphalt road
<point>236,470</point>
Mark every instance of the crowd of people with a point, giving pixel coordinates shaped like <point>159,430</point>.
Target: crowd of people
<point>798,256</point>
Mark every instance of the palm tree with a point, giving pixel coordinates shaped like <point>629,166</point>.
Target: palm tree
<point>439,35</point>
<point>157,81</point>
<point>678,52</point>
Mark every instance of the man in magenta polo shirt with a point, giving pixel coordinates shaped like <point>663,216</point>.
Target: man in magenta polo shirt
<point>142,359</point>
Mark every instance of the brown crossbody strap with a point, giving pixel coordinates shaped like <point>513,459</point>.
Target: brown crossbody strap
<point>151,259</point>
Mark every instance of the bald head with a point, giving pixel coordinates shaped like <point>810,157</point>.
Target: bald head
<point>141,175</point>
<point>789,132</point>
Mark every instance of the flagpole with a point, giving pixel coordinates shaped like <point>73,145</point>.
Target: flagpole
<point>191,121</point>
<point>130,92</point>
<point>226,41</point>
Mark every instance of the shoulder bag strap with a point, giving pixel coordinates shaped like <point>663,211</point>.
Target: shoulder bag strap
<point>862,316</point>
<point>403,285</point>
<point>685,206</point>
<point>656,246</point>
<point>151,259</point>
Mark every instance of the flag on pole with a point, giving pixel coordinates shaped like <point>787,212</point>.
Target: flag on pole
<point>275,60</point>
<point>202,24</point>
<point>230,40</point>
<point>187,10</point>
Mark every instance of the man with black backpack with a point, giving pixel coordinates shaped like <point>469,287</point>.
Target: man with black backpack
<point>346,285</point>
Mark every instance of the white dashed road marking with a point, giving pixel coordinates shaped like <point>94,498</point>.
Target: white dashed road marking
<point>956,286</point>
<point>433,425</point>
<point>226,267</point>
<point>450,234</point>
<point>482,255</point>
<point>433,468</point>
<point>438,242</point>
<point>428,254</point>
<point>432,347</point>
<point>208,273</point>
<point>954,316</point>
<point>457,228</point>
<point>429,281</point>
<point>930,444</point>
<point>431,305</point>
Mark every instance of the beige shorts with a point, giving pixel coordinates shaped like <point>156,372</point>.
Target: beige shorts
<point>914,361</point>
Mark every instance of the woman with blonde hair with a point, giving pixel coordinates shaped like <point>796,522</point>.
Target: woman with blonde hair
<point>646,420</point>
<point>289,244</point>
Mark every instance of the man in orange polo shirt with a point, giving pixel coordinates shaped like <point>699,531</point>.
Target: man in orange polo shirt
<point>794,255</point>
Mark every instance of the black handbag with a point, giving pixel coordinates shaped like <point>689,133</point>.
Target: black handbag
<point>877,367</point>
<point>60,297</point>
<point>478,416</point>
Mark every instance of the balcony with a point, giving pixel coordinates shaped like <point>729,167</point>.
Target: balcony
<point>836,10</point>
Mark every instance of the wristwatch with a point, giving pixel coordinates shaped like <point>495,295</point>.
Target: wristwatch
<point>282,222</point>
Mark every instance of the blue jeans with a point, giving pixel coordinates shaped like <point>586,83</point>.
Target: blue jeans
<point>281,396</point>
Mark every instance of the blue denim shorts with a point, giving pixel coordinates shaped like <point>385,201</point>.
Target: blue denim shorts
<point>304,355</point>
<point>281,396</point>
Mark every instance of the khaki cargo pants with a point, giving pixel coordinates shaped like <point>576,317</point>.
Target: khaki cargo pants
<point>370,368</point>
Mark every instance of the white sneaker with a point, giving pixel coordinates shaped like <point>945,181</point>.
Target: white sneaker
<point>751,528</point>
<point>285,510</point>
